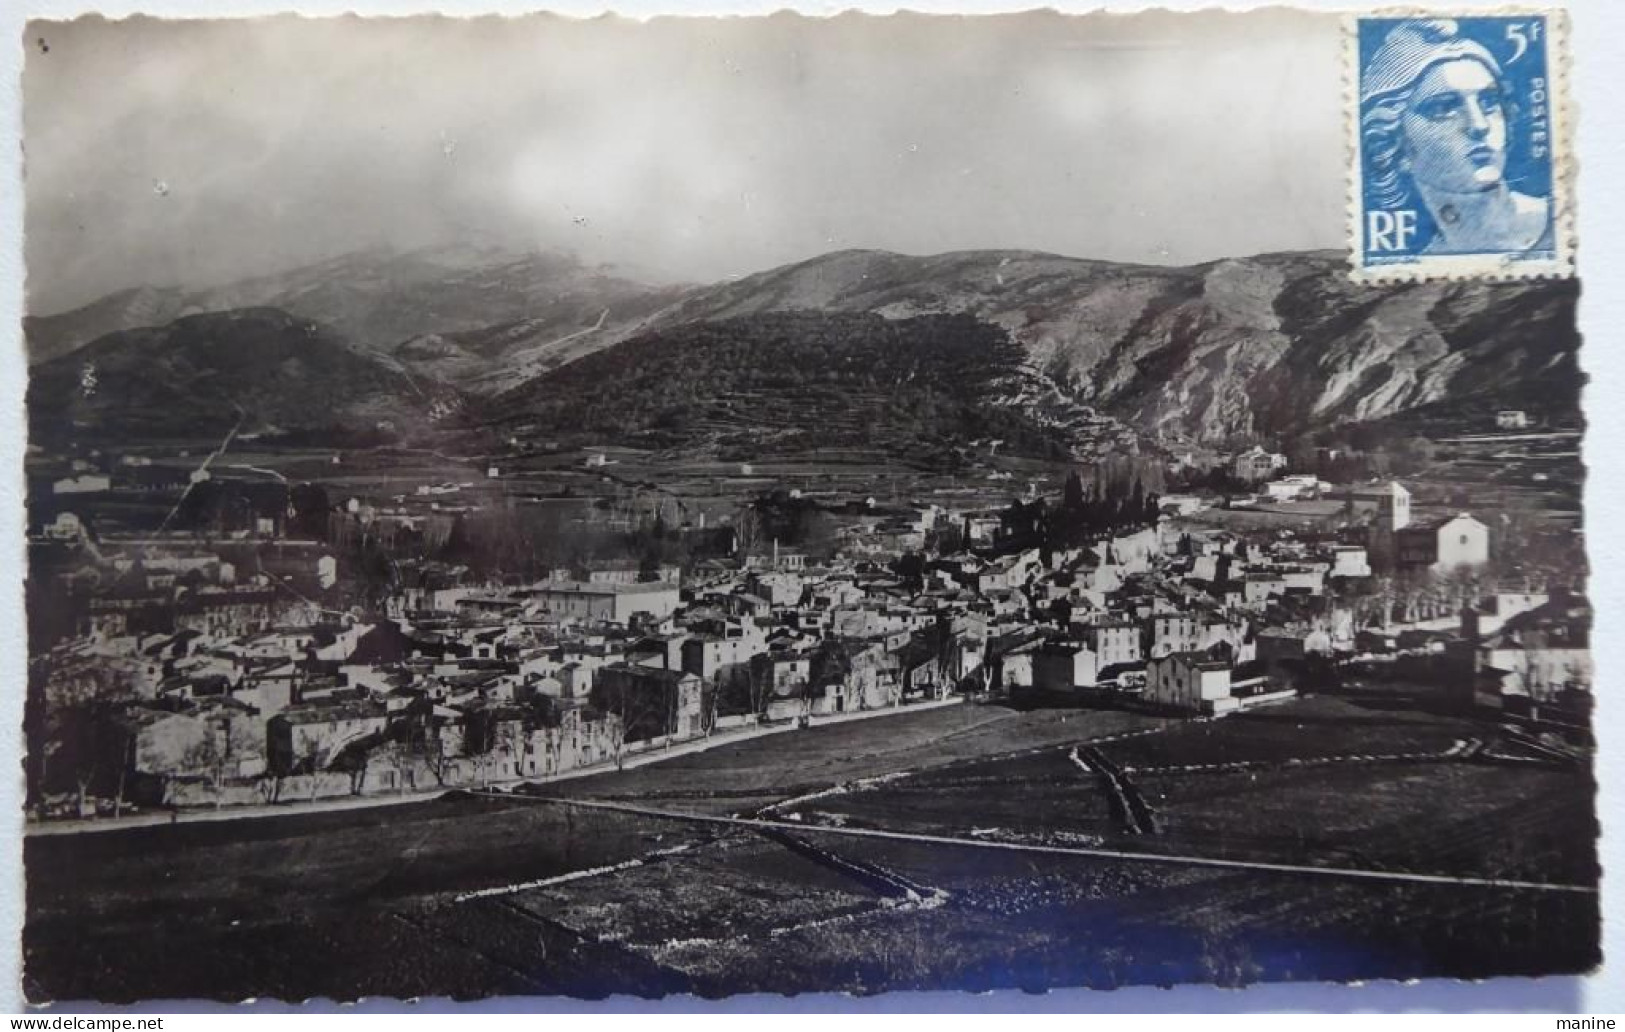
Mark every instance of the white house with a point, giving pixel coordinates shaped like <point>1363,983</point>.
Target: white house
<point>1349,561</point>
<point>1297,485</point>
<point>1389,501</point>
<point>1063,666</point>
<point>86,483</point>
<point>1181,504</point>
<point>1189,681</point>
<point>612,603</point>
<point>1256,464</point>
<point>1444,545</point>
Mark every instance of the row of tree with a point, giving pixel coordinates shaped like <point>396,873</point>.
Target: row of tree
<point>1107,501</point>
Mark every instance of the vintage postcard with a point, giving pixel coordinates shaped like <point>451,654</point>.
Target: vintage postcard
<point>551,507</point>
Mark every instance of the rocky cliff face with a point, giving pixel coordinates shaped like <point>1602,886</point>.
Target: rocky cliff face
<point>1273,344</point>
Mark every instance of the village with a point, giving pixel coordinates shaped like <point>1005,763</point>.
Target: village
<point>685,513</point>
<point>180,679</point>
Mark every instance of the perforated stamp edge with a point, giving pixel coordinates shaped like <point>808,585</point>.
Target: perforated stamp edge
<point>1474,268</point>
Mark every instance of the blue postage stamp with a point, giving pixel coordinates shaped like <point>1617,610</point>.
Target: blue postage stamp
<point>1459,149</point>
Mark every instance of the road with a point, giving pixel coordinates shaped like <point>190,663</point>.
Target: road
<point>756,823</point>
<point>630,761</point>
<point>973,856</point>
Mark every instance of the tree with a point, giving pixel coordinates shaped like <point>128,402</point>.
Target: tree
<point>424,743</point>
<point>1072,496</point>
<point>71,718</point>
<point>1303,456</point>
<point>1026,522</point>
<point>710,706</point>
<point>1061,612</point>
<point>1524,677</point>
<point>617,738</point>
<point>310,754</point>
<point>1379,602</point>
<point>747,530</point>
<point>1461,586</point>
<point>206,756</point>
<point>947,538</point>
<point>89,747</point>
<point>309,509</point>
<point>910,569</point>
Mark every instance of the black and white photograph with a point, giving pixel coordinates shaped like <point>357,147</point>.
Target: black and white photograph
<point>555,507</point>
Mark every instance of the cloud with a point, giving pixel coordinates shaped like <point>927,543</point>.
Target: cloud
<point>690,149</point>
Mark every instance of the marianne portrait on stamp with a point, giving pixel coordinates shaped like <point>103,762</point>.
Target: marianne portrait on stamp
<point>1436,112</point>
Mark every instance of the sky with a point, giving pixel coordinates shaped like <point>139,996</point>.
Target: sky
<point>194,153</point>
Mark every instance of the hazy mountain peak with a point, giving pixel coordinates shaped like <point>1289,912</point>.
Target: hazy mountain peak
<point>1267,343</point>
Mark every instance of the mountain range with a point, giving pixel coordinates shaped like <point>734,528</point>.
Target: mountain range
<point>257,369</point>
<point>460,306</point>
<point>1272,345</point>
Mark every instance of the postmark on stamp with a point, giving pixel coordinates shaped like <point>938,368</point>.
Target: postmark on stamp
<point>1459,155</point>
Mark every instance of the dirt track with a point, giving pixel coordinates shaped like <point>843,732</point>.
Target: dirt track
<point>956,848</point>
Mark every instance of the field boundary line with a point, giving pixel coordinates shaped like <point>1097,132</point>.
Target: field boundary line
<point>570,876</point>
<point>1461,750</point>
<point>1084,851</point>
<point>1131,805</point>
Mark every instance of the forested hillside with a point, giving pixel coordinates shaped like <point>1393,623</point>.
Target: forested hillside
<point>793,381</point>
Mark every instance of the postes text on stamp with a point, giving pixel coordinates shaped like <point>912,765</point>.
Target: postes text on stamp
<point>1459,151</point>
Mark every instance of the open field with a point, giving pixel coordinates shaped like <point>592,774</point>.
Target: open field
<point>1041,797</point>
<point>1459,819</point>
<point>753,773</point>
<point>1306,729</point>
<point>473,896</point>
<point>633,484</point>
<point>1001,919</point>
